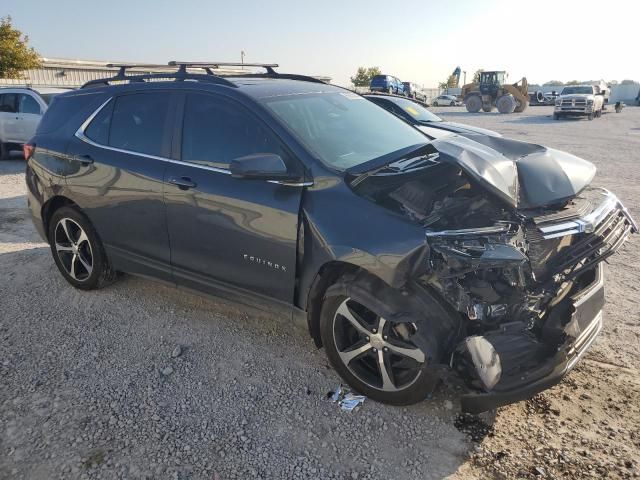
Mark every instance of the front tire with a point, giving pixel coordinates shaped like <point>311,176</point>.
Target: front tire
<point>374,356</point>
<point>506,104</point>
<point>590,116</point>
<point>473,103</point>
<point>78,251</point>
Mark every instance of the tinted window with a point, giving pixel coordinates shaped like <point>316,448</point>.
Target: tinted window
<point>343,129</point>
<point>416,111</point>
<point>28,104</point>
<point>47,97</point>
<point>138,122</point>
<point>8,102</point>
<point>216,130</point>
<point>98,129</point>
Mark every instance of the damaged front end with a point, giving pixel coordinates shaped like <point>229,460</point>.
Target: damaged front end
<point>526,278</point>
<point>532,292</point>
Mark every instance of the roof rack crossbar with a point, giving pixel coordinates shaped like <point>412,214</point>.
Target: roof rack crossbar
<point>267,66</point>
<point>181,74</point>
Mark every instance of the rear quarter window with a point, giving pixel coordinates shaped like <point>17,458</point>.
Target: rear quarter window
<point>69,108</point>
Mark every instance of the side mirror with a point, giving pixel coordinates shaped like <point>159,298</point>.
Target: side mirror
<point>260,166</point>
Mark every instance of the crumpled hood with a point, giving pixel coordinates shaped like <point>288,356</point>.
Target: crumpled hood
<point>436,129</point>
<point>525,175</point>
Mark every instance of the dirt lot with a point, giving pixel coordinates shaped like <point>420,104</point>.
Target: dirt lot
<point>140,380</point>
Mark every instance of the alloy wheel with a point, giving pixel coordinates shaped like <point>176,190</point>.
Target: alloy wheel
<point>376,351</point>
<point>73,249</point>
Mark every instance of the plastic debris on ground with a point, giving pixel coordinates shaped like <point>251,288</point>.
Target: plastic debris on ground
<point>346,400</point>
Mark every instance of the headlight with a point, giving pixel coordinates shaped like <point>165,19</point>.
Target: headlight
<point>589,102</point>
<point>558,102</point>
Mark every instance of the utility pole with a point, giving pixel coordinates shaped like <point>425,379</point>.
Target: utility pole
<point>464,76</point>
<point>242,58</point>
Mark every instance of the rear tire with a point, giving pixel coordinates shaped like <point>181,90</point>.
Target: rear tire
<point>506,104</point>
<point>434,104</point>
<point>407,380</point>
<point>5,151</point>
<point>78,251</point>
<point>473,103</point>
<point>590,116</point>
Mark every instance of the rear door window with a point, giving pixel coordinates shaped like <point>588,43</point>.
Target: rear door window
<point>217,130</point>
<point>28,104</point>
<point>139,122</point>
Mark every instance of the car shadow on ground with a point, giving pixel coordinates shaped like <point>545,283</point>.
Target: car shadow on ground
<point>12,167</point>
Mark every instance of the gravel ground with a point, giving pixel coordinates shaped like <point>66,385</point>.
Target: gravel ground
<point>140,380</point>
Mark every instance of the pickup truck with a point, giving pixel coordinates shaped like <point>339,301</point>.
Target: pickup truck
<point>580,100</point>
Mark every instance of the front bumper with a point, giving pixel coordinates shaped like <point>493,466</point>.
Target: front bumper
<point>582,328</point>
<point>577,111</point>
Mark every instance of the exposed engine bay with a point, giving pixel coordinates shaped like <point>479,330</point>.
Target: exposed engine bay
<point>512,275</point>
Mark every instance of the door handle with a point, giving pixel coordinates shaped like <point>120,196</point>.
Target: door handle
<point>83,159</point>
<point>183,183</point>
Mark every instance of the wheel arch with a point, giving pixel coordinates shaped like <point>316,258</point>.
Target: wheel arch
<point>325,277</point>
<point>50,206</point>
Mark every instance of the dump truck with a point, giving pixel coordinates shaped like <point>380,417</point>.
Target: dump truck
<point>492,92</point>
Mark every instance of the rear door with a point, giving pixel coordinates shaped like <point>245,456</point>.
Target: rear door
<point>29,114</point>
<point>9,120</point>
<point>226,231</point>
<point>117,170</point>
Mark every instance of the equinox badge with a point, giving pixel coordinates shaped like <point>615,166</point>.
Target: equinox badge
<point>262,261</point>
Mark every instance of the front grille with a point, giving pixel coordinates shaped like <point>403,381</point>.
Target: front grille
<point>576,238</point>
<point>579,102</point>
<point>572,255</point>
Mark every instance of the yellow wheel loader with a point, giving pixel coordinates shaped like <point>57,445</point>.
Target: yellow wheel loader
<point>491,92</point>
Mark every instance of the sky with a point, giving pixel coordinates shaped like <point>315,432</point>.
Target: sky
<point>416,40</point>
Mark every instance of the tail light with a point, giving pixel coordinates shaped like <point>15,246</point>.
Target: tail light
<point>27,150</point>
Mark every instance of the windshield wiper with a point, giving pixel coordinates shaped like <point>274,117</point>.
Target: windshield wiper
<point>405,163</point>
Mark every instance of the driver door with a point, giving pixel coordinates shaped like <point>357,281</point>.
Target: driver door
<point>225,232</point>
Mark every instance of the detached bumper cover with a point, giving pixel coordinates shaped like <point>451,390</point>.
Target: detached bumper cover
<point>585,324</point>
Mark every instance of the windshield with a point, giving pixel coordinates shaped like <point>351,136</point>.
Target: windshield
<point>47,97</point>
<point>343,129</point>
<point>574,90</point>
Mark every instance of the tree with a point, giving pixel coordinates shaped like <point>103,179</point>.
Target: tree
<point>443,85</point>
<point>364,75</point>
<point>15,55</point>
<point>573,82</point>
<point>476,76</point>
<point>552,83</point>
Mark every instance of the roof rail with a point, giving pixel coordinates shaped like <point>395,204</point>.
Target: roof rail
<point>179,75</point>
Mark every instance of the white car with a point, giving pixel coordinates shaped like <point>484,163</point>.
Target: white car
<point>445,101</point>
<point>21,109</point>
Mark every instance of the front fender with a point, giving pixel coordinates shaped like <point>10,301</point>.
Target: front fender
<point>340,226</point>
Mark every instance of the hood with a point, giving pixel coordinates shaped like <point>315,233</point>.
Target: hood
<point>462,129</point>
<point>577,96</point>
<point>525,175</point>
